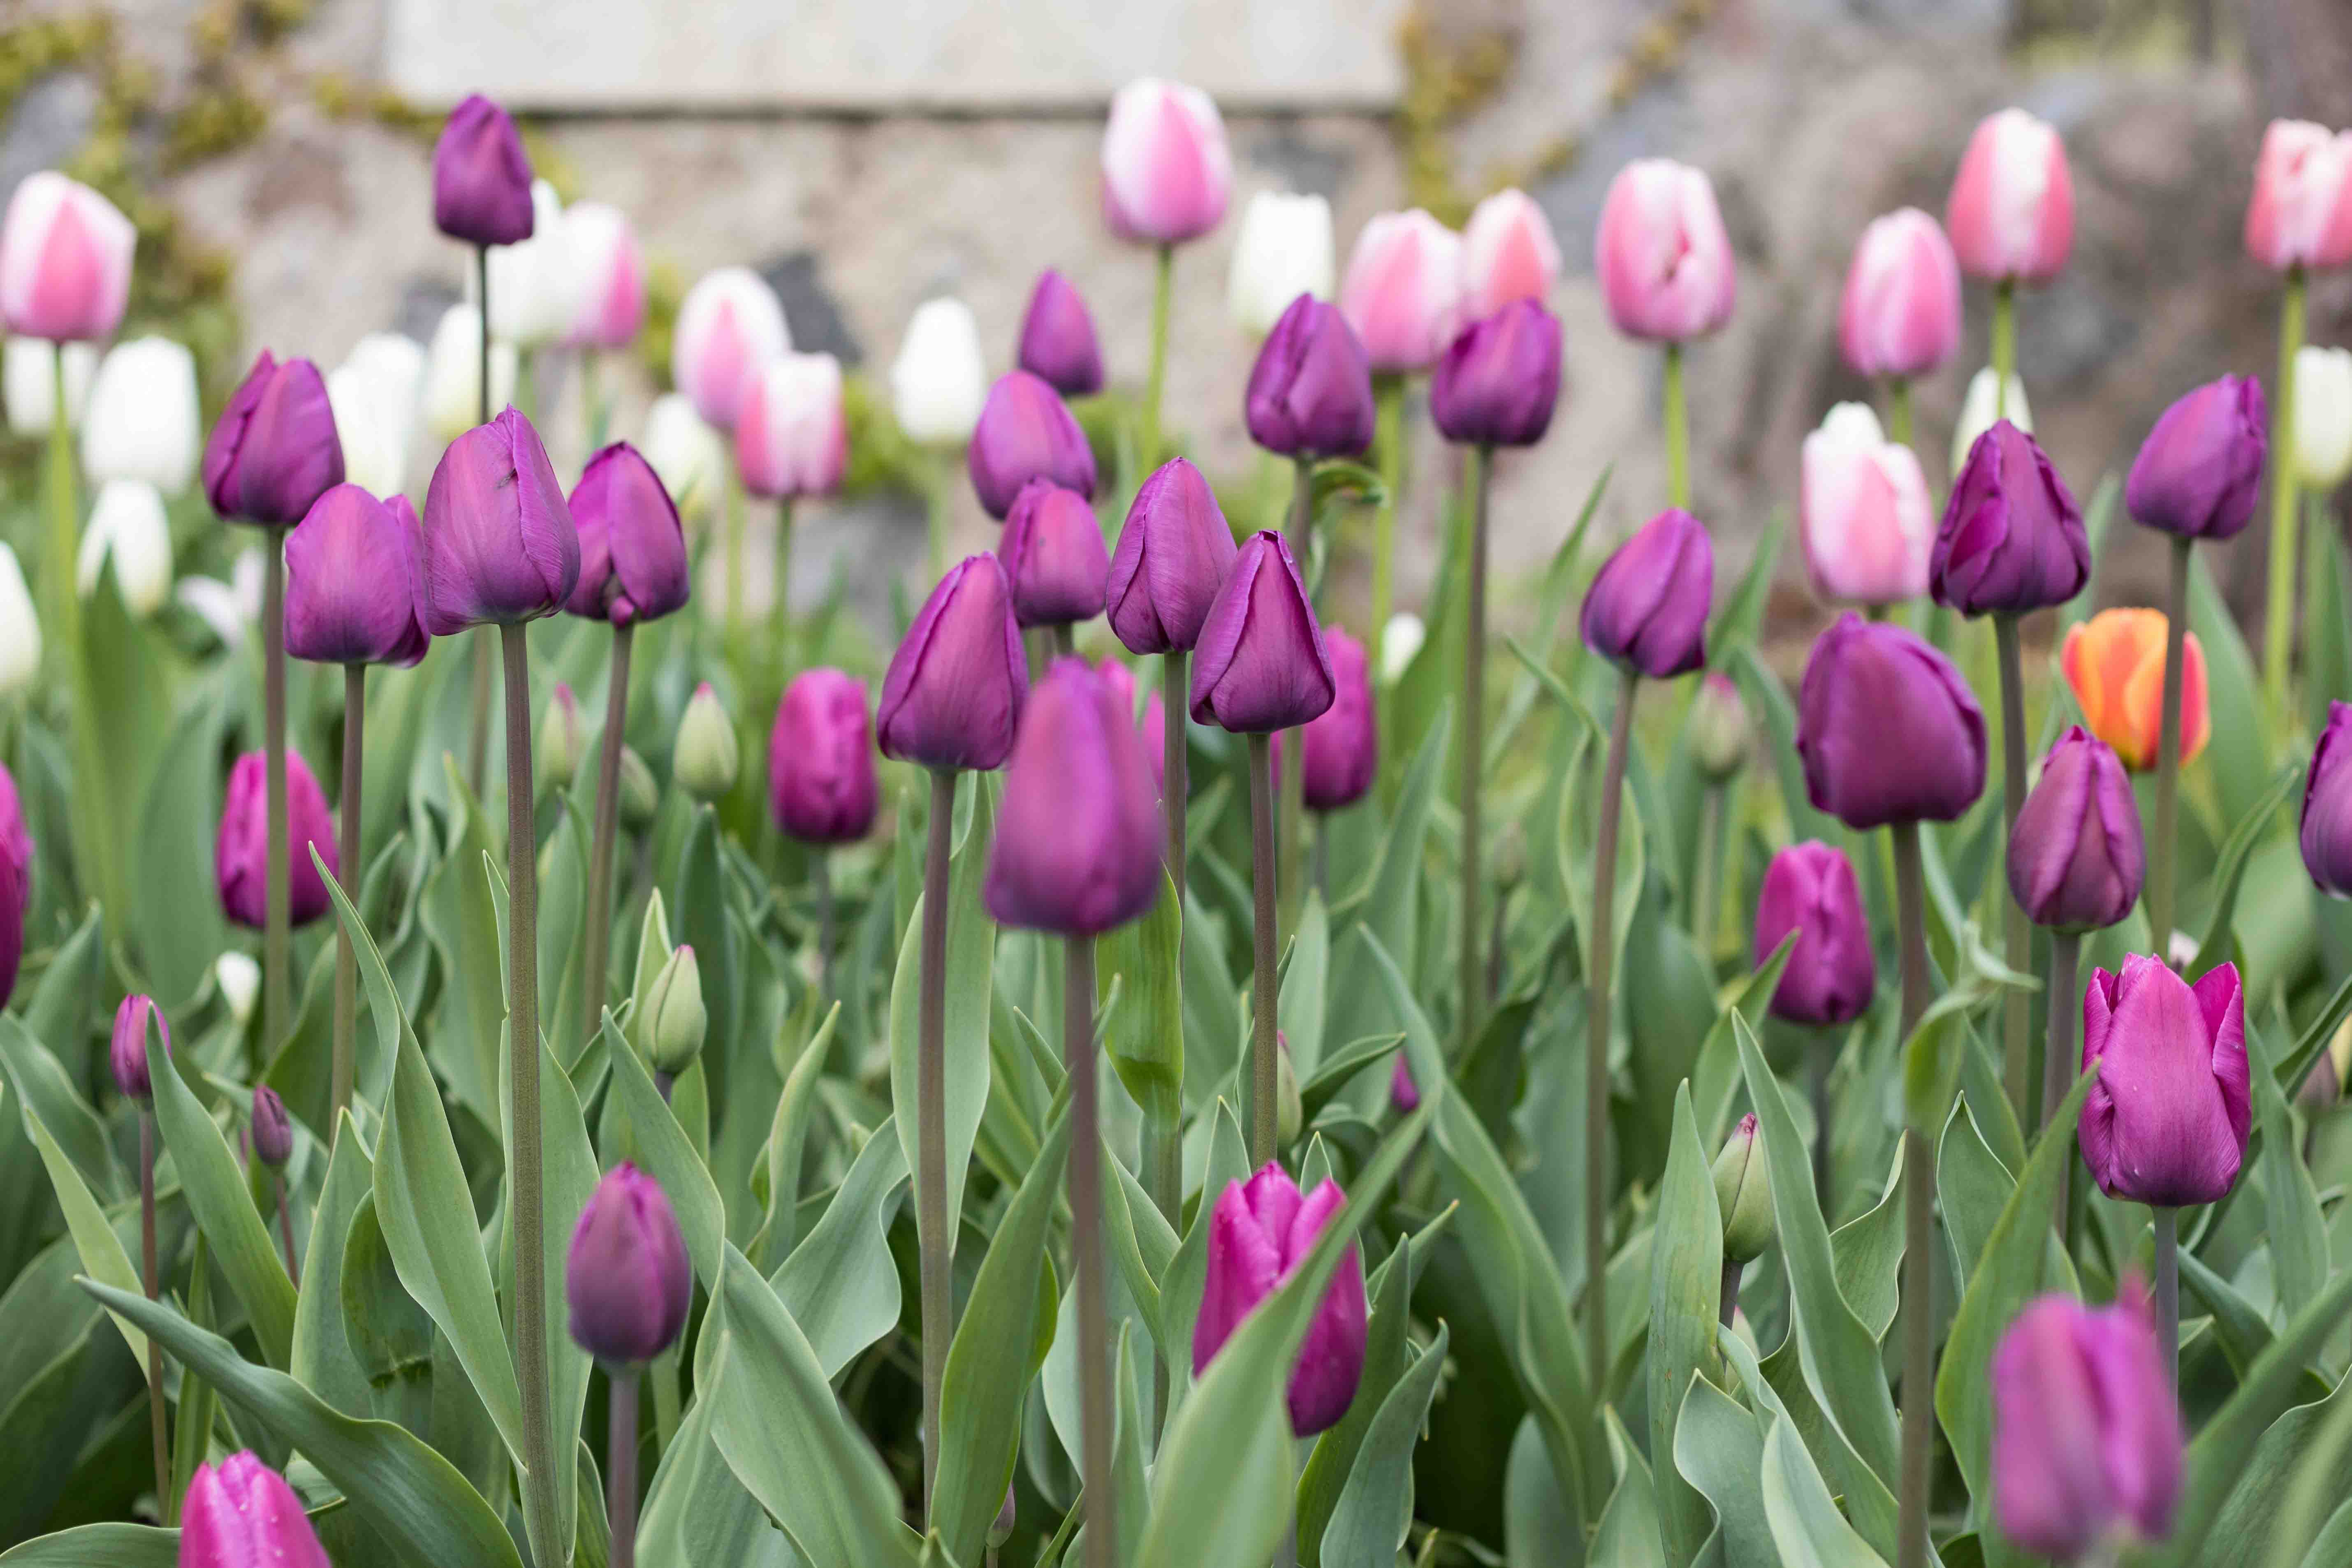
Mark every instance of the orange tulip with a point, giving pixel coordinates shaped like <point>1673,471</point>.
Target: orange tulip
<point>2114,662</point>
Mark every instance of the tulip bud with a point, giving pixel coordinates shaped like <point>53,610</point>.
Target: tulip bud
<point>500,547</point>
<point>668,1022</point>
<point>2012,539</point>
<point>1079,835</point>
<point>704,756</point>
<point>127,524</point>
<point>2301,212</point>
<point>1173,554</point>
<point>1262,664</point>
<point>562,741</point>
<point>1341,745</point>
<point>1901,313</point>
<point>791,438</point>
<point>274,450</point>
<point>28,369</point>
<point>2326,829</point>
<point>2076,858</point>
<point>1404,1095</point>
<point>15,883</point>
<point>1289,1110</point>
<point>1665,261</point>
<point>1743,1194</point>
<point>533,288</point>
<point>1284,250</point>
<point>1026,433</point>
<point>689,457</point>
<point>1719,730</point>
<point>1977,414</point>
<point>140,421</point>
<point>355,582</point>
<point>238,977</point>
<point>453,373</point>
<point>1400,643</point>
<point>731,327</point>
<point>1508,254</point>
<point>608,292</point>
<point>240,1513</point>
<point>241,853</point>
<point>1510,855</point>
<point>20,628</point>
<point>1863,511</point>
<point>1166,171</point>
<point>821,783</point>
<point>1496,386</point>
<point>1888,729</point>
<point>952,695</point>
<point>633,564</point>
<point>2198,471</point>
<point>2011,212</point>
<point>273,1129</point>
<point>2322,417</point>
<point>2166,1123</point>
<point>1058,337</point>
<point>939,381</point>
<point>1402,290</point>
<point>1310,392</point>
<point>481,176</point>
<point>1810,888</point>
<point>640,794</point>
<point>1000,1528</point>
<point>1259,1232</point>
<point>1053,555</point>
<point>626,1277</point>
<point>1646,610</point>
<point>2115,663</point>
<point>127,1054</point>
<point>65,260</point>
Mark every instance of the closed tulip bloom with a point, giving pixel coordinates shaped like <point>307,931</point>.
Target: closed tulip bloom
<point>126,1050</point>
<point>730,326</point>
<point>1499,380</point>
<point>669,1021</point>
<point>1743,1195</point>
<point>1665,261</point>
<point>939,381</point>
<point>1341,746</point>
<point>238,977</point>
<point>2011,212</point>
<point>1977,414</point>
<point>355,582</point>
<point>273,1129</point>
<point>128,527</point>
<point>1810,888</point>
<point>1284,250</point>
<point>2114,662</point>
<point>20,628</point>
<point>1053,552</point>
<point>632,550</point>
<point>1507,252</point>
<point>481,176</point>
<point>15,883</point>
<point>2301,213</point>
<point>28,369</point>
<point>373,429</point>
<point>499,544</point>
<point>1078,837</point>
<point>1901,313</point>
<point>1262,664</point>
<point>1310,392</point>
<point>559,743</point>
<point>2327,805</point>
<point>1259,1233</point>
<point>2199,469</point>
<point>1719,731</point>
<point>951,696</point>
<point>1166,171</point>
<point>1404,1095</point>
<point>1026,432</point>
<point>626,1277</point>
<point>689,455</point>
<point>704,757</point>
<point>240,1513</point>
<point>2086,1440</point>
<point>1174,554</point>
<point>1863,511</point>
<point>453,373</point>
<point>1402,291</point>
<point>1646,610</point>
<point>241,854</point>
<point>1058,337</point>
<point>2166,1123</point>
<point>140,422</point>
<point>1887,728</point>
<point>1401,641</point>
<point>2011,540</point>
<point>274,449</point>
<point>608,295</point>
<point>65,260</point>
<point>2322,417</point>
<point>2076,859</point>
<point>821,783</point>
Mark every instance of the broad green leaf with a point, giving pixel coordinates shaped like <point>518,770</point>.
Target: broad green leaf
<point>1686,1289</point>
<point>699,900</point>
<point>1391,907</point>
<point>41,1087</point>
<point>1306,979</point>
<point>2298,1233</point>
<point>1628,1533</point>
<point>1719,1450</point>
<point>2230,869</point>
<point>2239,754</point>
<point>1972,1187</point>
<point>1806,1524</point>
<point>98,1546</point>
<point>1335,1455</point>
<point>176,919</point>
<point>1145,1034</point>
<point>1188,1271</point>
<point>101,1251</point>
<point>1868,1253</point>
<point>787,1140</point>
<point>971,969</point>
<point>1142,1243</point>
<point>460,920</point>
<point>1714,1082</point>
<point>321,1358</point>
<point>841,1284</point>
<point>58,1015</point>
<point>373,1068</point>
<point>661,1143</point>
<point>2284,1501</point>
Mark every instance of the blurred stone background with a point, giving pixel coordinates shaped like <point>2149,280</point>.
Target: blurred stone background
<point>866,156</point>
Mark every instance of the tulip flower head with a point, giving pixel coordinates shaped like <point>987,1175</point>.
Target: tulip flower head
<point>238,977</point>
<point>2200,469</point>
<point>241,854</point>
<point>821,780</point>
<point>1719,730</point>
<point>500,547</point>
<point>669,1020</point>
<point>1341,746</point>
<point>20,628</point>
<point>730,326</point>
<point>374,396</point>
<point>2301,213</point>
<point>1284,250</point>
<point>15,883</point>
<point>1053,553</point>
<point>240,1513</point>
<point>140,422</point>
<point>1260,1231</point>
<point>274,450</point>
<point>1646,610</point>
<point>1173,557</point>
<point>2322,417</point>
<point>1508,254</point>
<point>2011,212</point>
<point>29,370</point>
<point>1402,290</point>
<point>1977,414</point>
<point>1887,730</point>
<point>1832,973</point>
<point>559,743</point>
<point>355,580</point>
<point>1743,1195</point>
<point>626,1277</point>
<point>2326,829</point>
<point>1026,432</point>
<point>705,756</point>
<point>65,260</point>
<point>633,562</point>
<point>1400,643</point>
<point>127,1051</point>
<point>1901,313</point>
<point>2166,1123</point>
<point>2114,662</point>
<point>608,293</point>
<point>128,527</point>
<point>1661,253</point>
<point>1404,1095</point>
<point>2076,859</point>
<point>689,455</point>
<point>273,1129</point>
<point>939,382</point>
<point>1078,840</point>
<point>2011,540</point>
<point>1863,511</point>
<point>952,695</point>
<point>1262,664</point>
<point>1058,337</point>
<point>1166,171</point>
<point>1498,383</point>
<point>481,176</point>
<point>1310,392</point>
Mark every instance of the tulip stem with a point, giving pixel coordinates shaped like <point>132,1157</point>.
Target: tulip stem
<point>734,541</point>
<point>780,611</point>
<point>1599,942</point>
<point>1479,461</point>
<point>285,1229</point>
<point>482,288</point>
<point>933,1242</point>
<point>346,960</point>
<point>2162,866</point>
<point>1898,410</point>
<point>1262,983</point>
<point>278,990</point>
<point>526,1200</point>
<point>1164,1147</point>
<point>1918,1223</point>
<point>1823,1060</point>
<point>821,872</point>
<point>2004,344</point>
<point>595,971</point>
<point>621,1465</point>
<point>1730,1296</point>
<point>1163,280</point>
<point>1087,1251</point>
<point>2017,1017</point>
<point>1677,417</point>
<point>2168,1290</point>
<point>1390,438</point>
<point>2058,1067</point>
<point>150,1277</point>
<point>477,746</point>
<point>1175,695</point>
<point>2278,619</point>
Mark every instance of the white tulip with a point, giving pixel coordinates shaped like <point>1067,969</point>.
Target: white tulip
<point>1976,414</point>
<point>1284,250</point>
<point>1401,640</point>
<point>453,374</point>
<point>939,381</point>
<point>533,284</point>
<point>686,453</point>
<point>128,523</point>
<point>20,628</point>
<point>28,384</point>
<point>2322,417</point>
<point>212,602</point>
<point>238,978</point>
<point>140,422</point>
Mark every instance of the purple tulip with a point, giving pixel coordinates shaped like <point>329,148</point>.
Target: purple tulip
<point>626,1277</point>
<point>1404,1095</point>
<point>2327,807</point>
<point>275,450</point>
<point>1173,554</point>
<point>2200,469</point>
<point>15,883</point>
<point>2166,1123</point>
<point>1259,1232</point>
<point>2012,539</point>
<point>1646,610</point>
<point>2075,856</point>
<point>1311,393</point>
<point>1058,337</point>
<point>2085,1433</point>
<point>127,1054</point>
<point>481,176</point>
<point>1498,383</point>
<point>821,783</point>
<point>1341,746</point>
<point>355,582</point>
<point>1026,432</point>
<point>951,696</point>
<point>1810,888</point>
<point>1078,837</point>
<point>240,1513</point>
<point>499,543</point>
<point>1887,730</point>
<point>632,552</point>
<point>1053,553</point>
<point>241,855</point>
<point>273,1129</point>
<point>1262,664</point>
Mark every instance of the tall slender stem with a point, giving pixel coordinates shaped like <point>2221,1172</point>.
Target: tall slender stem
<point>1086,1253</point>
<point>1918,1223</point>
<point>2059,1067</point>
<point>2004,344</point>
<point>933,1242</point>
<point>526,1195</point>
<point>1261,982</point>
<point>1164,1147</point>
<point>286,1230</point>
<point>1390,442</point>
<point>593,974</point>
<point>1162,287</point>
<point>1599,942</point>
<point>2163,867</point>
<point>277,987</point>
<point>1821,1050</point>
<point>733,541</point>
<point>1290,820</point>
<point>1705,895</point>
<point>821,872</point>
<point>346,960</point>
<point>780,612</point>
<point>1677,419</point>
<point>2017,1018</point>
<point>2278,618</point>
<point>2167,1288</point>
<point>482,365</point>
<point>1898,410</point>
<point>150,1277</point>
<point>1728,1297</point>
<point>621,1465</point>
<point>1472,981</point>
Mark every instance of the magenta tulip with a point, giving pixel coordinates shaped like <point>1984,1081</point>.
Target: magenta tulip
<point>1053,552</point>
<point>2166,1123</point>
<point>501,546</point>
<point>1887,730</point>
<point>241,854</point>
<point>481,176</point>
<point>1078,837</point>
<point>2076,860</point>
<point>1497,384</point>
<point>1310,392</point>
<point>626,1277</point>
<point>1025,433</point>
<point>2011,212</point>
<point>127,1051</point>
<point>1058,337</point>
<point>1647,608</point>
<point>1262,664</point>
<point>355,582</point>
<point>820,780</point>
<point>15,883</point>
<point>1173,557</point>
<point>240,1513</point>
<point>2200,469</point>
<point>1259,1232</point>
<point>274,451</point>
<point>952,695</point>
<point>1832,972</point>
<point>633,564</point>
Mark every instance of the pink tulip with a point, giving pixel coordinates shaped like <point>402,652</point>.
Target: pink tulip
<point>1508,254</point>
<point>1665,260</point>
<point>789,436</point>
<point>2302,212</point>
<point>729,328</point>
<point>1402,291</point>
<point>1863,513</point>
<point>1901,316</point>
<point>65,260</point>
<point>612,275</point>
<point>2012,213</point>
<point>1166,171</point>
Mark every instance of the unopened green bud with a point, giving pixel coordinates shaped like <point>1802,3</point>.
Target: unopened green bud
<point>640,795</point>
<point>669,1020</point>
<point>555,750</point>
<point>1743,1191</point>
<point>705,757</point>
<point>1719,728</point>
<point>1510,855</point>
<point>1289,1110</point>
